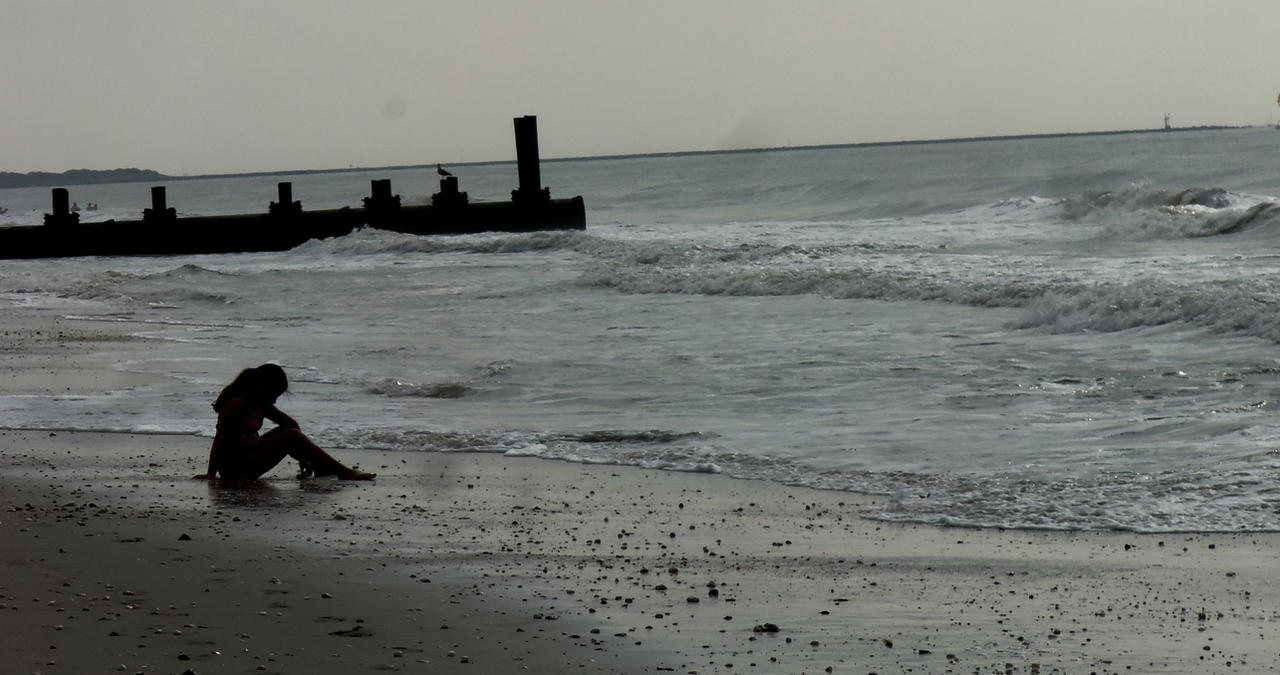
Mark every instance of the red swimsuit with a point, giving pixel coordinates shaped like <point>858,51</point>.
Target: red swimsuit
<point>251,426</point>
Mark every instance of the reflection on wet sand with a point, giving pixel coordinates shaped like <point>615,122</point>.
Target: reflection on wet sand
<point>266,494</point>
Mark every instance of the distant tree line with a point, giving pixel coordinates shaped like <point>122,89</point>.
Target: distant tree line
<point>77,177</point>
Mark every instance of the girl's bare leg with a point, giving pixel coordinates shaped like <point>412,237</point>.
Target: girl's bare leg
<point>304,467</point>
<point>295,444</point>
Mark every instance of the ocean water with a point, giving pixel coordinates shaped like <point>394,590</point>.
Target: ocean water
<point>1066,333</point>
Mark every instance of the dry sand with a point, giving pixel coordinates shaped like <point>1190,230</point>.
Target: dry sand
<point>115,561</point>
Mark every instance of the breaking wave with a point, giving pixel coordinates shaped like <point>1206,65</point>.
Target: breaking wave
<point>1143,212</point>
<point>370,241</point>
<point>1249,307</point>
<point>398,388</point>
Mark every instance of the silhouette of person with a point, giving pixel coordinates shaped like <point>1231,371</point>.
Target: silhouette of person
<point>239,452</point>
<point>75,207</point>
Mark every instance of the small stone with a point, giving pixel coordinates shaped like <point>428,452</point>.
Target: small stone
<point>184,537</point>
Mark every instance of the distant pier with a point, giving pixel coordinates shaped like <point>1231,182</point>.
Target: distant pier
<point>287,224</point>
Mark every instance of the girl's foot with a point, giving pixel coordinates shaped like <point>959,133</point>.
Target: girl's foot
<point>352,474</point>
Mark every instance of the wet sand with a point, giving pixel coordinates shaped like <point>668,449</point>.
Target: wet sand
<point>114,560</point>
<point>51,355</point>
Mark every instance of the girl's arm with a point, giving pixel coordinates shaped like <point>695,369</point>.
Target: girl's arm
<point>276,415</point>
<point>234,408</point>
<point>213,464</point>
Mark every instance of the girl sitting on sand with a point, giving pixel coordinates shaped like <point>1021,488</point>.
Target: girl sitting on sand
<point>239,452</point>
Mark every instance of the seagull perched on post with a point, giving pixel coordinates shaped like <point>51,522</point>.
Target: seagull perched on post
<point>440,170</point>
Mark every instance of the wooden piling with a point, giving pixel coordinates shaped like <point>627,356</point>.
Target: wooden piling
<point>61,202</point>
<point>381,206</point>
<point>530,189</point>
<point>160,212</point>
<point>449,196</point>
<point>285,206</point>
<point>62,214</point>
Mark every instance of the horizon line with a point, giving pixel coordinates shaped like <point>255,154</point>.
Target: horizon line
<point>726,151</point>
<point>676,153</point>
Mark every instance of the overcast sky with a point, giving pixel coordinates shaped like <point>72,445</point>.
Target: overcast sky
<point>234,85</point>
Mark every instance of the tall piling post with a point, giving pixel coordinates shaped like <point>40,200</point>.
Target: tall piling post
<point>62,214</point>
<point>530,190</point>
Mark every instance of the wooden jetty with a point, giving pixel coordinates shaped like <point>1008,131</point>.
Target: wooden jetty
<point>286,224</point>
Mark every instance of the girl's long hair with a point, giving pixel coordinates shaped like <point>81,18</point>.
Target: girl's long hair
<point>251,383</point>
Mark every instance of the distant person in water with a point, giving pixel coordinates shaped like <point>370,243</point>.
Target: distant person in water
<point>239,452</point>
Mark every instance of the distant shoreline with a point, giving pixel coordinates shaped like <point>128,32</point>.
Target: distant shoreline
<point>77,177</point>
<point>97,177</point>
